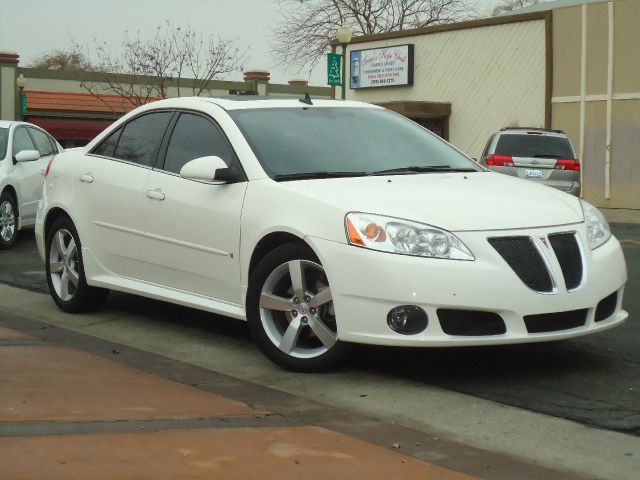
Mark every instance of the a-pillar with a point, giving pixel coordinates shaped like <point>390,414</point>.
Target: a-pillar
<point>9,105</point>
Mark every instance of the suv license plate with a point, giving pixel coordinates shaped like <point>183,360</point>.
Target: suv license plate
<point>534,172</point>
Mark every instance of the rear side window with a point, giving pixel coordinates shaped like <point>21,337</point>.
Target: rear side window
<point>22,140</point>
<point>141,138</point>
<point>108,145</point>
<point>534,146</point>
<point>44,143</point>
<point>193,137</point>
<point>486,147</point>
<point>4,137</point>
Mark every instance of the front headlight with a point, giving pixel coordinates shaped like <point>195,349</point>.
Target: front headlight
<point>598,230</point>
<point>393,235</point>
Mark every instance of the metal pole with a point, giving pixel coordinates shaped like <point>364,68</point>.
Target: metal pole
<point>344,70</point>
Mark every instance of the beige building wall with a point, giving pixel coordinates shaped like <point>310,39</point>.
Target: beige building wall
<point>493,76</point>
<point>596,96</point>
<point>8,93</point>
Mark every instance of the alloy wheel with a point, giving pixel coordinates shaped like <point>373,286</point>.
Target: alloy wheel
<point>7,221</point>
<point>296,309</point>
<point>64,264</point>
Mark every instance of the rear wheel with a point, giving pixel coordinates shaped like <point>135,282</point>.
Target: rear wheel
<point>8,220</point>
<point>290,311</point>
<point>65,271</point>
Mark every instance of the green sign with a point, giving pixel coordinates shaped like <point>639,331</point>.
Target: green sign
<point>333,69</point>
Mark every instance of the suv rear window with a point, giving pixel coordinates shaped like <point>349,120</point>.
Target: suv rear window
<point>540,146</point>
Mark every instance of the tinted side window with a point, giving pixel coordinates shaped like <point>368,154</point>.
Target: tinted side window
<point>141,137</point>
<point>108,145</point>
<point>22,140</point>
<point>193,137</point>
<point>43,142</point>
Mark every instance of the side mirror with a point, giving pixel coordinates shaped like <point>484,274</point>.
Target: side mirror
<point>26,156</point>
<point>227,175</point>
<point>203,169</point>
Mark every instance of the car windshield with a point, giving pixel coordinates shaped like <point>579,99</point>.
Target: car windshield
<point>534,146</point>
<point>4,135</point>
<point>342,141</point>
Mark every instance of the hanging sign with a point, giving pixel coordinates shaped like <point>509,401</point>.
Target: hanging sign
<point>333,69</point>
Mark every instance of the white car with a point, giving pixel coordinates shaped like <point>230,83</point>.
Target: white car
<point>25,150</point>
<point>322,223</point>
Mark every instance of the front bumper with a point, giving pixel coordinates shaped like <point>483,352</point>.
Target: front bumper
<point>366,284</point>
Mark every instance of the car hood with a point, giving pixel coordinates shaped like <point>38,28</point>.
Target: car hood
<point>453,201</point>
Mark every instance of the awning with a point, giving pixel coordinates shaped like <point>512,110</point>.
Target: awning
<point>70,128</point>
<point>413,109</point>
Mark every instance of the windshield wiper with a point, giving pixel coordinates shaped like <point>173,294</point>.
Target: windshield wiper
<point>314,175</point>
<point>424,169</point>
<point>547,155</point>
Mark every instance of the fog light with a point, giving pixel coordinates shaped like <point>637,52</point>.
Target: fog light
<point>407,319</point>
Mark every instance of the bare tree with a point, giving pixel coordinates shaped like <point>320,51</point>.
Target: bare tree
<point>305,27</point>
<point>508,6</point>
<point>61,60</point>
<point>145,69</point>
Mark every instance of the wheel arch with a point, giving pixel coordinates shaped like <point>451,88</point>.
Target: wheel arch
<point>52,215</point>
<point>270,242</point>
<point>11,190</point>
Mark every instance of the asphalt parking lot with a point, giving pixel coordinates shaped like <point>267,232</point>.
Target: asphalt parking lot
<point>593,380</point>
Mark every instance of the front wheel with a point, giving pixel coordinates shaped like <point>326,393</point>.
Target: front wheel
<point>8,221</point>
<point>290,311</point>
<point>65,272</point>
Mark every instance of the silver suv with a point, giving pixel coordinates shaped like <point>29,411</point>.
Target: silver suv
<point>543,156</point>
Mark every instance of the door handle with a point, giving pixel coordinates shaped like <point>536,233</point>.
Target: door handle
<point>86,177</point>
<point>155,194</point>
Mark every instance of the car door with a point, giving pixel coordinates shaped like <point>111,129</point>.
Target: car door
<point>109,201</point>
<point>194,227</point>
<point>48,148</point>
<point>27,176</point>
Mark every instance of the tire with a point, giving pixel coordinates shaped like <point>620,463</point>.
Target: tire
<point>8,220</point>
<point>298,334</point>
<point>65,271</point>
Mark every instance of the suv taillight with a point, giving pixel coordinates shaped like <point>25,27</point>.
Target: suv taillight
<point>500,161</point>
<point>567,164</point>
<point>48,168</point>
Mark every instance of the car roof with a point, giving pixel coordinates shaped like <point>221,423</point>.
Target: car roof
<point>532,131</point>
<point>242,102</point>
<point>9,123</point>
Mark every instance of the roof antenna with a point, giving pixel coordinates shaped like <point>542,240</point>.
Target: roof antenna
<point>306,99</point>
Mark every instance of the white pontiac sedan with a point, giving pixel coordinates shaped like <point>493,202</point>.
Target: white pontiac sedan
<point>322,223</point>
<point>25,150</point>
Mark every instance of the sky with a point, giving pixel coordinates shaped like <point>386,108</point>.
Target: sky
<point>39,26</point>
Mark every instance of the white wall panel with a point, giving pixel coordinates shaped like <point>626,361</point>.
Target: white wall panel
<point>493,77</point>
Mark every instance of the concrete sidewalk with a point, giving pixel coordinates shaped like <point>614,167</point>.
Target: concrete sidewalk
<point>621,215</point>
<point>66,411</point>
